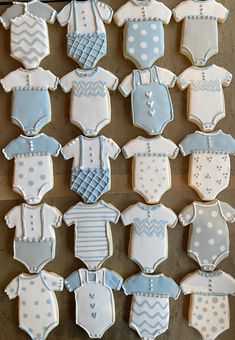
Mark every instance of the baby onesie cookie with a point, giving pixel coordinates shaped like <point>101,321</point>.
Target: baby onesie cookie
<point>206,106</point>
<point>29,33</point>
<point>31,105</point>
<point>209,304</point>
<point>209,234</point>
<point>150,310</point>
<point>143,30</point>
<point>151,103</point>
<point>34,242</point>
<point>33,171</point>
<point>93,236</point>
<point>209,164</point>
<point>148,246</point>
<point>38,307</point>
<point>200,16</point>
<point>95,306</point>
<point>151,166</point>
<point>90,94</point>
<point>91,172</point>
<point>86,34</point>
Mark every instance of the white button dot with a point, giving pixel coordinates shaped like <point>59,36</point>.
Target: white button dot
<point>131,38</point>
<point>155,38</point>
<point>211,241</point>
<point>214,213</point>
<point>196,244</point>
<point>228,214</point>
<point>143,56</point>
<point>220,232</point>
<point>222,248</point>
<point>143,32</point>
<point>135,26</point>
<point>200,211</point>
<point>210,225</point>
<point>131,50</point>
<point>153,26</point>
<point>156,50</point>
<point>198,230</point>
<point>143,44</point>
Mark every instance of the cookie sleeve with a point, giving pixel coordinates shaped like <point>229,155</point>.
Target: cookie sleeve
<point>225,76</point>
<point>172,289</point>
<point>180,11</point>
<point>110,79</point>
<point>111,148</point>
<point>12,289</point>
<point>11,149</point>
<point>171,149</point>
<point>71,149</point>
<point>64,15</point>
<point>113,215</point>
<point>53,147</point>
<point>51,81</point>
<point>113,279</point>
<point>121,15</point>
<point>228,142</point>
<point>52,281</point>
<point>132,285</point>
<point>70,217</point>
<point>73,281</point>
<point>66,82</point>
<point>187,285</point>
<point>54,216</point>
<point>229,284</point>
<point>127,216</point>
<point>12,217</point>
<point>9,81</point>
<point>227,212</point>
<point>130,149</point>
<point>221,12</point>
<point>10,13</point>
<point>183,80</point>
<point>105,12</point>
<point>186,145</point>
<point>45,12</point>
<point>171,217</point>
<point>186,216</point>
<point>166,77</point>
<point>126,86</point>
<point>162,12</point>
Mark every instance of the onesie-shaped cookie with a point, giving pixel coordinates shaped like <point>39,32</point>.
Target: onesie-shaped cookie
<point>209,170</point>
<point>90,107</point>
<point>93,237</point>
<point>209,304</point>
<point>29,34</point>
<point>31,105</point>
<point>38,307</point>
<point>206,106</point>
<point>143,30</point>
<point>151,103</point>
<point>148,245</point>
<point>34,242</point>
<point>150,310</point>
<point>95,307</point>
<point>200,29</point>
<point>91,173</point>
<point>209,234</point>
<point>151,166</point>
<point>33,172</point>
<point>86,35</point>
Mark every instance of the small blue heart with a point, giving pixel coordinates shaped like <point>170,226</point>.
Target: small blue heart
<point>92,295</point>
<point>94,315</point>
<point>92,305</point>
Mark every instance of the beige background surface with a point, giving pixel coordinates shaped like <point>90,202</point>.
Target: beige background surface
<point>121,195</point>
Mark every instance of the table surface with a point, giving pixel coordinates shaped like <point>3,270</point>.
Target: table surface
<point>121,196</point>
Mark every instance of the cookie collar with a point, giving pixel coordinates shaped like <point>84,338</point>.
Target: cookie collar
<point>214,133</point>
<point>142,2</point>
<point>149,207</point>
<point>86,73</point>
<point>218,272</point>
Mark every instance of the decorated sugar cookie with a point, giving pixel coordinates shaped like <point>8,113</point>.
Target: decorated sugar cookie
<point>209,170</point>
<point>206,106</point>
<point>200,16</point>
<point>31,105</point>
<point>34,242</point>
<point>95,306</point>
<point>209,304</point>
<point>209,234</point>
<point>148,245</point>
<point>91,173</point>
<point>90,94</point>
<point>29,33</point>
<point>33,171</point>
<point>86,35</point>
<point>151,103</point>
<point>150,310</point>
<point>151,167</point>
<point>143,30</point>
<point>38,307</point>
<point>93,237</point>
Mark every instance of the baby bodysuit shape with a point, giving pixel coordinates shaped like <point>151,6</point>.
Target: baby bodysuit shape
<point>148,245</point>
<point>209,235</point>
<point>38,307</point>
<point>200,16</point>
<point>91,173</point>
<point>150,310</point>
<point>34,242</point>
<point>93,236</point>
<point>90,107</point>
<point>33,171</point>
<point>86,37</point>
<point>151,167</point>
<point>209,170</point>
<point>143,30</point>
<point>95,306</point>
<point>209,304</point>
<point>29,33</point>
<point>151,103</point>
<point>206,106</point>
<point>31,105</point>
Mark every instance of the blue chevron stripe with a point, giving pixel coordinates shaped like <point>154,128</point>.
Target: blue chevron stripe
<point>29,42</point>
<point>25,23</point>
<point>156,325</point>
<point>150,316</point>
<point>151,306</point>
<point>27,52</point>
<point>30,34</point>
